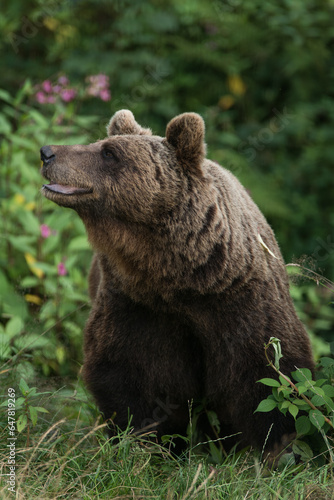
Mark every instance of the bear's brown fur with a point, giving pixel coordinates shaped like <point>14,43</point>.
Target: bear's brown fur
<point>184,294</point>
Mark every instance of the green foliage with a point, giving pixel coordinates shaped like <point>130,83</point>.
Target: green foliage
<point>44,254</point>
<point>71,457</point>
<point>25,413</point>
<point>314,305</point>
<point>310,402</point>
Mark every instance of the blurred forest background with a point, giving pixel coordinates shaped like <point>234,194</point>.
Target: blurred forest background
<point>260,73</point>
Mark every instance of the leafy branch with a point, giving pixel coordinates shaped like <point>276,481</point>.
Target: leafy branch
<point>314,398</point>
<point>276,342</point>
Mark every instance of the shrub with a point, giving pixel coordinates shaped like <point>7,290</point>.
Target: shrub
<point>310,402</point>
<point>44,254</point>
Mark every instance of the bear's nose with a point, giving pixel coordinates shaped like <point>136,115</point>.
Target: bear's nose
<point>47,155</point>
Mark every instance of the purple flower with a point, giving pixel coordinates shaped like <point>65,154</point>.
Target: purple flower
<point>62,271</point>
<point>45,231</point>
<point>47,86</point>
<point>105,95</point>
<point>99,86</point>
<point>63,80</point>
<point>40,97</point>
<point>99,80</point>
<point>68,95</point>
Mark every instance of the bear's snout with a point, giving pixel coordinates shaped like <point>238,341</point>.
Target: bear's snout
<point>47,154</point>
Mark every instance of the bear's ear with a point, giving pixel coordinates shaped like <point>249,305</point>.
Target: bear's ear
<point>123,123</point>
<point>186,133</point>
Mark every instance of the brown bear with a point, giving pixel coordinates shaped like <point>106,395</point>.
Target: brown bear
<point>184,295</point>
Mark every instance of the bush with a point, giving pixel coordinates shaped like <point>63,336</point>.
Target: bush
<point>44,254</point>
<point>310,402</point>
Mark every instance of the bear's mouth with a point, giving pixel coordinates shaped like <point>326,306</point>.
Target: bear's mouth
<point>66,190</point>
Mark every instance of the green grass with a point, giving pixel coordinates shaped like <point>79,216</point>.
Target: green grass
<point>67,455</point>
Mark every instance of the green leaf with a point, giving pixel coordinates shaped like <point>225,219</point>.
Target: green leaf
<point>303,425</point>
<point>293,409</point>
<point>19,403</point>
<point>329,404</point>
<point>286,460</point>
<point>22,142</point>
<point>284,381</point>
<point>29,282</point>
<point>270,382</point>
<point>278,394</point>
<point>328,390</point>
<point>5,96</point>
<point>23,243</point>
<point>266,405</point>
<point>21,423</point>
<point>302,449</point>
<point>30,222</point>
<point>318,390</point>
<point>301,388</point>
<point>301,404</point>
<point>286,391</point>
<point>302,375</point>
<point>24,90</point>
<point>33,415</point>
<point>317,400</point>
<point>276,343</point>
<point>39,118</point>
<point>14,327</point>
<point>24,388</point>
<point>317,418</point>
<point>5,349</point>
<point>79,243</point>
<point>327,362</point>
<point>5,126</point>
<point>213,419</point>
<point>215,453</point>
<point>320,382</point>
<point>41,409</point>
<point>14,305</point>
<point>4,285</point>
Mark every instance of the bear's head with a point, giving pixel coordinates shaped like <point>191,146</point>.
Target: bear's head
<point>131,175</point>
<point>160,212</point>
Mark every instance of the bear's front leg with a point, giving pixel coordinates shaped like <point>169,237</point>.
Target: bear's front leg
<point>141,364</point>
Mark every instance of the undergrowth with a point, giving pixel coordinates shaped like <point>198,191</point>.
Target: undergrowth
<point>69,456</point>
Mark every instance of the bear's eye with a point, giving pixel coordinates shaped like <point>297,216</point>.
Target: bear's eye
<point>107,153</point>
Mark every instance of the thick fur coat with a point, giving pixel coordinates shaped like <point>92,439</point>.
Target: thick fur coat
<point>184,295</point>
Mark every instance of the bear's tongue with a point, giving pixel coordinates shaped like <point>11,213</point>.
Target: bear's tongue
<point>58,188</point>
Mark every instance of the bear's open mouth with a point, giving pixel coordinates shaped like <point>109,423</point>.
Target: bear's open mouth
<point>67,190</point>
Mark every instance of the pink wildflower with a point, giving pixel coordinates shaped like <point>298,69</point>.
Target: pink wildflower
<point>62,271</point>
<point>68,95</point>
<point>40,97</point>
<point>105,95</point>
<point>47,86</point>
<point>45,231</point>
<point>63,80</point>
<point>99,86</point>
